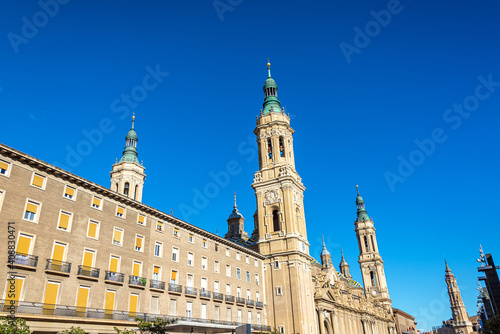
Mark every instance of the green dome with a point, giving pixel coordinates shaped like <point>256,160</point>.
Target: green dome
<point>271,102</point>
<point>132,135</point>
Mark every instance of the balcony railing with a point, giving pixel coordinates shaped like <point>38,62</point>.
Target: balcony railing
<point>250,302</point>
<point>205,294</point>
<point>172,287</point>
<point>26,259</point>
<point>154,284</point>
<point>114,277</point>
<point>240,300</point>
<point>218,296</point>
<point>136,280</point>
<point>57,265</point>
<point>191,291</point>
<point>88,271</point>
<point>94,313</point>
<point>229,299</point>
<point>259,305</point>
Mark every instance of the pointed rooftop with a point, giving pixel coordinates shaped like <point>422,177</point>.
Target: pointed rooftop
<point>362,214</point>
<point>271,101</point>
<point>324,251</point>
<point>235,213</point>
<point>343,262</point>
<point>130,151</point>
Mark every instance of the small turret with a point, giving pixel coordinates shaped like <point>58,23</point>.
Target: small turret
<point>235,227</point>
<point>344,267</point>
<point>362,214</point>
<point>271,102</point>
<point>326,258</point>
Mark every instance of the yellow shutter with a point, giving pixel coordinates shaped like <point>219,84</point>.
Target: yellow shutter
<point>3,165</point>
<point>141,219</point>
<point>88,259</point>
<point>119,210</point>
<point>138,242</point>
<point>50,297</point>
<point>136,269</point>
<point>113,264</point>
<point>156,270</point>
<point>31,207</point>
<point>16,294</point>
<point>23,245</point>
<point>70,191</point>
<point>160,226</point>
<point>133,306</point>
<point>81,303</point>
<point>117,236</point>
<point>92,230</point>
<point>58,254</point>
<point>64,221</point>
<point>38,180</point>
<point>174,275</point>
<point>96,202</point>
<point>110,303</point>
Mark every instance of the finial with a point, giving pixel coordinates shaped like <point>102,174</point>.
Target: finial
<point>235,200</point>
<point>268,68</point>
<point>357,189</point>
<point>133,119</point>
<point>323,237</point>
<point>268,63</point>
<point>217,231</point>
<point>172,211</point>
<point>342,253</point>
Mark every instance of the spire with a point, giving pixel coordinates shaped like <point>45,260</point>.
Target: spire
<point>343,262</point>
<point>271,102</point>
<point>326,258</point>
<point>448,270</point>
<point>130,151</point>
<point>324,251</point>
<point>362,214</point>
<point>235,213</point>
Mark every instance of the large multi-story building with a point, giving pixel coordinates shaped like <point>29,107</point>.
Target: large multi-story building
<point>98,257</point>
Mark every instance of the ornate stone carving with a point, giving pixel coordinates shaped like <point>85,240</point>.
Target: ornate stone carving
<point>272,196</point>
<point>257,177</point>
<point>297,199</point>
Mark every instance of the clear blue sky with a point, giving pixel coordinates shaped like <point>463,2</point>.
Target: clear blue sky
<point>357,105</point>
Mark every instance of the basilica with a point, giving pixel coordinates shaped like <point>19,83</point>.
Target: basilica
<point>99,258</point>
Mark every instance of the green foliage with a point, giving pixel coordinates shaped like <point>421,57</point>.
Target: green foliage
<point>73,330</point>
<point>159,326</point>
<point>124,331</point>
<point>492,326</point>
<point>18,326</point>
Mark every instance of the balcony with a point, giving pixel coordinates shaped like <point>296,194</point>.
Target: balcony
<point>58,267</point>
<point>229,299</point>
<point>88,273</point>
<point>114,278</point>
<point>240,300</point>
<point>25,261</point>
<point>136,281</point>
<point>175,288</point>
<point>250,303</point>
<point>204,294</point>
<point>156,285</point>
<point>259,304</point>
<point>218,296</point>
<point>189,291</point>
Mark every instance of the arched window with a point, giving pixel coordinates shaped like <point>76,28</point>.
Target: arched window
<point>269,148</point>
<point>373,244</point>
<point>135,192</point>
<point>372,278</point>
<point>282,148</point>
<point>366,244</point>
<point>126,188</point>
<point>276,221</point>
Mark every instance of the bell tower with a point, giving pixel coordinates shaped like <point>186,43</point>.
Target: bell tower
<point>460,321</point>
<point>127,176</point>
<point>370,261</point>
<point>280,223</point>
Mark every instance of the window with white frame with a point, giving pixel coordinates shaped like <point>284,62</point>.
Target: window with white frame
<point>238,273</point>
<point>176,233</point>
<point>190,259</point>
<point>279,291</point>
<point>65,220</point>
<point>256,264</point>
<point>204,263</point>
<point>117,236</point>
<point>228,270</point>
<point>248,276</point>
<point>120,211</point>
<point>247,260</point>
<point>38,181</point>
<point>31,212</point>
<point>238,256</point>
<point>93,230</point>
<point>139,243</point>
<point>216,248</point>
<point>159,226</point>
<point>204,243</point>
<point>216,266</point>
<point>191,238</point>
<point>227,252</point>
<point>175,254</point>
<point>257,296</point>
<point>97,203</point>
<point>69,193</point>
<point>4,168</point>
<point>257,279</point>
<point>158,249</point>
<point>141,219</point>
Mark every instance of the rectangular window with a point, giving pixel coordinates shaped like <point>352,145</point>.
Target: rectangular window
<point>109,305</point>
<point>204,263</point>
<point>248,294</point>
<point>228,289</point>
<point>190,281</point>
<point>238,273</point>
<point>141,219</point>
<point>157,273</point>
<point>159,226</point>
<point>120,211</point>
<point>281,329</point>
<point>249,317</point>
<point>190,259</point>
<point>238,292</point>
<point>203,311</point>
<point>228,270</point>
<point>204,284</point>
<point>189,310</point>
<point>279,291</point>
<point>139,242</point>
<point>238,256</point>
<point>216,248</point>
<point>257,296</point>
<point>216,313</point>
<point>50,300</point>
<point>239,317</point>
<point>136,268</point>
<point>97,203</point>
<point>216,266</point>
<point>32,211</point>
<point>173,277</point>
<point>58,253</point>
<point>258,319</point>
<point>228,314</point>
<point>14,297</point>
<point>176,232</point>
<point>24,243</point>
<point>173,307</point>
<point>117,236</point>
<point>158,249</point>
<point>88,259</point>
<point>216,286</point>
<point>155,305</point>
<point>38,181</point>
<point>93,230</point>
<point>256,264</point>
<point>4,168</point>
<point>204,243</point>
<point>65,219</point>
<point>69,192</point>
<point>132,309</point>
<point>257,279</point>
<point>247,260</point>
<point>114,263</point>
<point>175,254</point>
<point>82,301</point>
<point>227,252</point>
<point>248,276</point>
<point>191,238</point>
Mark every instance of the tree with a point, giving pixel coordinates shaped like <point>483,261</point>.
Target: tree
<point>16,326</point>
<point>123,331</point>
<point>492,326</point>
<point>73,330</point>
<point>159,326</point>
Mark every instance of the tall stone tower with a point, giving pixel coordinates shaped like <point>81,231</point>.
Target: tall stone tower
<point>460,322</point>
<point>127,176</point>
<point>280,221</point>
<point>370,261</point>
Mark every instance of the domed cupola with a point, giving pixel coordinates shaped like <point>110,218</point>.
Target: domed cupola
<point>130,151</point>
<point>271,101</point>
